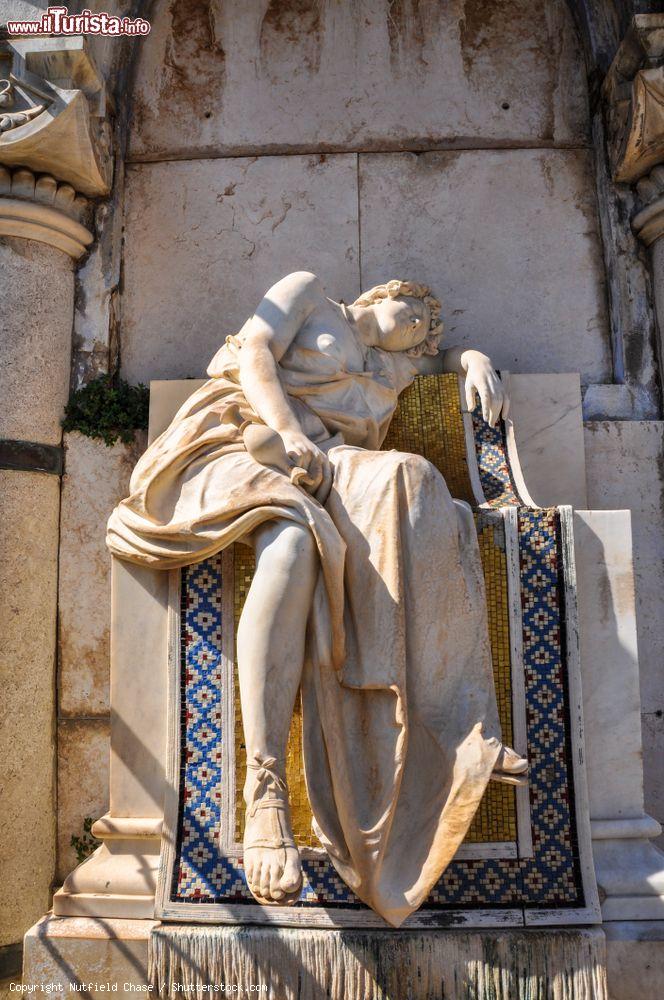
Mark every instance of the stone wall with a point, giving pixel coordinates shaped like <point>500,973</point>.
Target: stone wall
<point>448,142</point>
<point>96,478</point>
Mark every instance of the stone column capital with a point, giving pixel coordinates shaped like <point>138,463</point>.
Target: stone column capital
<point>37,207</point>
<point>633,94</point>
<point>648,223</point>
<point>53,112</point>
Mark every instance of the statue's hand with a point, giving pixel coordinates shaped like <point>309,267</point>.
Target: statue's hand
<point>482,379</point>
<point>307,455</point>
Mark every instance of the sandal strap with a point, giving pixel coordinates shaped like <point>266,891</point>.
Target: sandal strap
<point>268,804</point>
<point>271,842</point>
<point>265,768</point>
<point>266,771</point>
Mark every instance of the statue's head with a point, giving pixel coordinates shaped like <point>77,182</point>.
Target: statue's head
<point>408,316</point>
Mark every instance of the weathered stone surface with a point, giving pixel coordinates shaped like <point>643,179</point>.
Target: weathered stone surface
<point>634,958</point>
<point>205,239</point>
<point>652,733</point>
<point>55,122</point>
<point>617,401</point>
<point>98,951</point>
<point>96,479</point>
<point>632,319</point>
<point>508,239</point>
<point>548,432</point>
<point>8,987</point>
<point>83,757</point>
<point>37,283</point>
<point>97,280</point>
<point>28,591</point>
<point>298,75</point>
<point>609,665</point>
<point>625,465</point>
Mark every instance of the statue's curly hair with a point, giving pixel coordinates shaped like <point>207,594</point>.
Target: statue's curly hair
<point>394,289</point>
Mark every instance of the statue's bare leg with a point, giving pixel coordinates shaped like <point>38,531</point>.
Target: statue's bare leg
<point>270,649</point>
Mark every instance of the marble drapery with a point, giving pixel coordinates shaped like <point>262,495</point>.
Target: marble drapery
<point>401,729</point>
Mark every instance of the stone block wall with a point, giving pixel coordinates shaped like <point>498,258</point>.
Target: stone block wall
<point>445,142</point>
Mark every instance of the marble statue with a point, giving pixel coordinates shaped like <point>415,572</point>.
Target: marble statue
<point>368,592</point>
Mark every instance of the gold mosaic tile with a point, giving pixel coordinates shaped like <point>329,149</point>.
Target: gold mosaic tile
<point>428,422</point>
<point>495,819</point>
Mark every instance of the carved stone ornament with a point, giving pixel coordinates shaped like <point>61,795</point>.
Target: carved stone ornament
<point>40,208</point>
<point>634,95</point>
<point>648,223</point>
<point>52,112</point>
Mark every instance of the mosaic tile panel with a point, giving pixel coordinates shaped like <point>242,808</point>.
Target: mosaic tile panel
<point>551,878</point>
<point>428,422</point>
<point>495,819</point>
<point>494,469</point>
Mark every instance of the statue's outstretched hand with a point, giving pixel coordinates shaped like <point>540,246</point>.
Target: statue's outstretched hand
<point>483,380</point>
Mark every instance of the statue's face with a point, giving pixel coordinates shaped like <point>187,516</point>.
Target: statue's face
<point>403,322</point>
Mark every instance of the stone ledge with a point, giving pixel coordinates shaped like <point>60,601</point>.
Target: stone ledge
<point>292,963</point>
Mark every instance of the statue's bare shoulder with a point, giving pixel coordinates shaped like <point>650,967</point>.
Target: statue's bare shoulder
<point>295,291</point>
<point>297,310</point>
<point>283,310</point>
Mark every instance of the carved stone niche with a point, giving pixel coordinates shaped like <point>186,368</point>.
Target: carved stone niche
<point>634,96</point>
<point>53,113</point>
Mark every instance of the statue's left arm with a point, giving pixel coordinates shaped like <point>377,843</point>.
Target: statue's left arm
<point>480,378</point>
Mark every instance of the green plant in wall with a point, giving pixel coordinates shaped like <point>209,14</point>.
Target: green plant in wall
<point>108,408</point>
<point>85,845</point>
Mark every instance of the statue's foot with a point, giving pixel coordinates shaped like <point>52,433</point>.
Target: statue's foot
<point>271,858</point>
<point>510,768</point>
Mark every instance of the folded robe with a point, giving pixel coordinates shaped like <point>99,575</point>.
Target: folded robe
<point>401,728</point>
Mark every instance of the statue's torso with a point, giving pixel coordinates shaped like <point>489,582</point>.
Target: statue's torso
<point>326,332</point>
<point>338,387</point>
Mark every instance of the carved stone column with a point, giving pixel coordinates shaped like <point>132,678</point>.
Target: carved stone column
<point>648,225</point>
<point>52,160</point>
<point>630,870</point>
<point>634,96</point>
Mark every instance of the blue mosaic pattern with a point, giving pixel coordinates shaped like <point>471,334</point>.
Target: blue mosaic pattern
<point>551,878</point>
<point>202,874</point>
<point>495,474</point>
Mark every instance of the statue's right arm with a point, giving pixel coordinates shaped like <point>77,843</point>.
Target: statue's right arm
<point>264,339</point>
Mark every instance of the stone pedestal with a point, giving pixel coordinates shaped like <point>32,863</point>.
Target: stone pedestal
<point>119,880</point>
<point>634,959</point>
<point>64,951</point>
<point>629,869</point>
<point>563,964</point>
